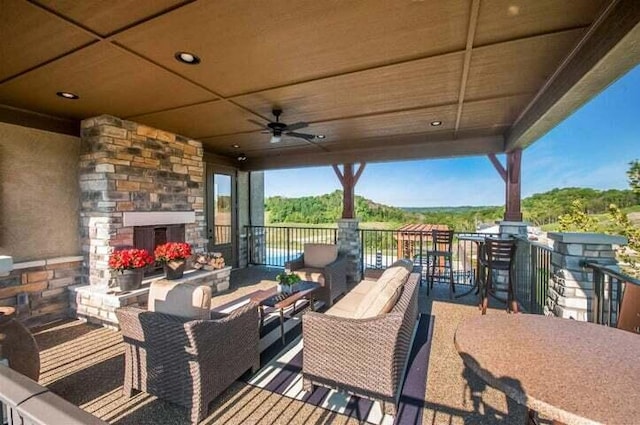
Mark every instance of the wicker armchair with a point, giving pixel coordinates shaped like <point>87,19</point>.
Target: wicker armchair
<point>185,361</point>
<point>365,357</point>
<point>321,263</point>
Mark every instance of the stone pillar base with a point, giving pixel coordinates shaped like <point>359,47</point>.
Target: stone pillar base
<point>349,245</point>
<point>513,228</point>
<point>571,285</point>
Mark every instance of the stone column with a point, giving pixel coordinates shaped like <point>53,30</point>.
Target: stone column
<point>513,228</point>
<point>349,244</point>
<point>571,285</point>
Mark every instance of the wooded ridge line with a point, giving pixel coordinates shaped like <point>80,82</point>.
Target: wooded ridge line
<point>538,209</point>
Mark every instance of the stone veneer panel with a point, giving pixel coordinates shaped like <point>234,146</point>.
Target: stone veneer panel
<point>125,166</point>
<point>349,244</point>
<point>571,286</point>
<point>44,284</point>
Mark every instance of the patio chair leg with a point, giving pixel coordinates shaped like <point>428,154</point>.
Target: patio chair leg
<point>453,283</point>
<point>432,275</point>
<point>388,408</point>
<point>307,385</point>
<point>198,411</point>
<point>487,288</point>
<point>127,390</point>
<point>255,367</point>
<point>512,303</point>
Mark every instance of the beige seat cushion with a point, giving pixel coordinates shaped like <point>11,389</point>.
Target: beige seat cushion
<point>318,255</point>
<point>385,293</point>
<point>347,306</point>
<point>364,286</point>
<point>180,299</point>
<point>311,274</point>
<point>371,298</point>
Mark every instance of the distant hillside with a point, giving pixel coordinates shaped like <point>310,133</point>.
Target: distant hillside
<point>539,209</point>
<point>328,209</point>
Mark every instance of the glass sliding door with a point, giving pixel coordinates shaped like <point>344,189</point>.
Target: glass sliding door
<point>221,212</point>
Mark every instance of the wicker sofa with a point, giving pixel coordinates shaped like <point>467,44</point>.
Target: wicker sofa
<point>323,264</point>
<point>361,344</point>
<point>187,360</point>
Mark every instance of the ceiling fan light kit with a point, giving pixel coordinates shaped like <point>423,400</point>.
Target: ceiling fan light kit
<point>275,138</point>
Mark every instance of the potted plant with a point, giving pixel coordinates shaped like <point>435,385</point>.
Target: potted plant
<point>173,256</point>
<point>127,267</point>
<point>287,282</point>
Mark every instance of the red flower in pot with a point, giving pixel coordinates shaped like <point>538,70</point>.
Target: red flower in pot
<point>173,255</point>
<point>127,266</point>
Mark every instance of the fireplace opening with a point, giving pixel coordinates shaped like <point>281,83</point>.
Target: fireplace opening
<point>149,237</point>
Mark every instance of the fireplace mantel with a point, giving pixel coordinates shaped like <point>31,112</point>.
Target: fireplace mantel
<point>154,218</point>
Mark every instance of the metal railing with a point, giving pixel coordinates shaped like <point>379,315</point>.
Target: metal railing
<point>380,248</point>
<point>25,402</point>
<point>609,290</point>
<point>533,271</point>
<point>275,245</point>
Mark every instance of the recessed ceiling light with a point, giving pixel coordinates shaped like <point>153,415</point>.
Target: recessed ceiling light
<point>235,146</point>
<point>242,157</point>
<point>68,95</point>
<point>320,136</point>
<point>436,123</point>
<point>188,58</point>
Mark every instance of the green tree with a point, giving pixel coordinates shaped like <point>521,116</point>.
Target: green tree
<point>620,224</point>
<point>577,219</point>
<point>634,176</point>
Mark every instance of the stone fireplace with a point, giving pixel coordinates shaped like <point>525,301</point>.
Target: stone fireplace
<point>139,186</point>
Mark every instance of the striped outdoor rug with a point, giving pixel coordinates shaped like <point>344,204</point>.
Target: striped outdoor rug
<point>282,367</point>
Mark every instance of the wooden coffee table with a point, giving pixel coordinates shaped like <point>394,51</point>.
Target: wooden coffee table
<point>279,301</point>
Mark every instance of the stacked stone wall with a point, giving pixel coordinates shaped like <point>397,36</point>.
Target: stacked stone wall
<point>126,166</point>
<point>571,285</point>
<point>38,290</point>
<point>349,244</point>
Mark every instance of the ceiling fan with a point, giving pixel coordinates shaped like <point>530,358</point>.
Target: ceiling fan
<point>278,129</point>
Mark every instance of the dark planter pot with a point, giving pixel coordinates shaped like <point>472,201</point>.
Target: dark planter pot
<point>174,269</point>
<point>129,279</point>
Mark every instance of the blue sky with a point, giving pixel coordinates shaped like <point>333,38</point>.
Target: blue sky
<point>591,148</point>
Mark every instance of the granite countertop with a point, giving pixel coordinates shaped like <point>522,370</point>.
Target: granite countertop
<point>570,371</point>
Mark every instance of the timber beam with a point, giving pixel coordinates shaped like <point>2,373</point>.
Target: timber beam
<point>511,177</point>
<point>348,180</point>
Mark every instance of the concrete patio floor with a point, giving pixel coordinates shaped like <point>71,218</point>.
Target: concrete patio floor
<point>84,364</point>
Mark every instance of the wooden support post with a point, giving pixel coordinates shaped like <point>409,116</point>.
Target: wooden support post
<point>513,211</point>
<point>511,178</point>
<point>348,180</point>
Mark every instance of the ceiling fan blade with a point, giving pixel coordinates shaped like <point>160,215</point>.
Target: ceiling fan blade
<point>297,126</point>
<point>301,135</point>
<point>261,124</point>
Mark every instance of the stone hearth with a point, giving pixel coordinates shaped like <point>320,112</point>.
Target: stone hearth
<point>98,304</point>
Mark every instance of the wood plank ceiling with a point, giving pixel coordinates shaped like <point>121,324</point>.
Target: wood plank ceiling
<point>370,75</point>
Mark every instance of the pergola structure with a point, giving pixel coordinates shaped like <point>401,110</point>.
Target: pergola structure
<point>381,80</point>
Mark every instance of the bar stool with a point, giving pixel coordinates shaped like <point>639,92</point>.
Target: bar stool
<point>498,254</point>
<point>442,242</point>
